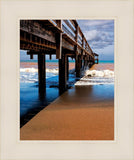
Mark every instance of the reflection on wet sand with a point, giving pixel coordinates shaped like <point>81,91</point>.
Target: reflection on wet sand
<point>81,113</point>
<point>78,114</point>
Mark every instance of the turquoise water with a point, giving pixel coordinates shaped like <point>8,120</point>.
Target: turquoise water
<point>30,103</point>
<point>109,61</point>
<point>54,61</point>
<point>50,61</point>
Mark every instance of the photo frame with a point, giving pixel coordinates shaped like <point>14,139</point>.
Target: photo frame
<point>122,11</point>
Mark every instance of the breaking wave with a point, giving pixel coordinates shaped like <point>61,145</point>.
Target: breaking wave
<point>90,77</point>
<point>30,75</point>
<point>96,73</point>
<point>95,77</point>
<point>33,70</point>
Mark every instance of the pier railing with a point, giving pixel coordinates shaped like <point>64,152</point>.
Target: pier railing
<point>73,31</point>
<point>62,38</point>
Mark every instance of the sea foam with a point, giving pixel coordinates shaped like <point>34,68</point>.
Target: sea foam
<point>33,70</point>
<point>90,77</point>
<point>96,73</point>
<point>30,75</point>
<point>95,77</point>
<point>36,70</point>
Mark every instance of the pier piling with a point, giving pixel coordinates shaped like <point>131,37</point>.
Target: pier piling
<point>78,66</point>
<point>63,73</point>
<point>62,38</point>
<point>41,74</point>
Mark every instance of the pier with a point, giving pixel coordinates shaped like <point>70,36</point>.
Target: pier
<point>62,38</point>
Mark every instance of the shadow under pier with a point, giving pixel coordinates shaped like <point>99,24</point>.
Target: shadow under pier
<point>62,38</point>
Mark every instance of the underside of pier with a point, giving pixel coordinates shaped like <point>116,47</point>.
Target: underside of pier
<point>62,38</point>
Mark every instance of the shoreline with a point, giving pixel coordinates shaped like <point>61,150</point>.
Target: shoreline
<point>60,119</point>
<point>73,116</point>
<point>50,65</point>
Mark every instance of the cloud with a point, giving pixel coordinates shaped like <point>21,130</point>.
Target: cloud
<point>99,33</point>
<point>96,22</point>
<point>91,35</point>
<point>106,53</point>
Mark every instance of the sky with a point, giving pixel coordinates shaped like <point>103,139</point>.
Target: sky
<point>100,36</point>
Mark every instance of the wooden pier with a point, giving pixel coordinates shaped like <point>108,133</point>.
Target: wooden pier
<point>62,38</point>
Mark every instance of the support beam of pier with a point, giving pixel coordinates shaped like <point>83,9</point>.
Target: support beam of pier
<point>67,68</point>
<point>78,66</point>
<point>41,74</point>
<point>59,41</point>
<point>83,64</point>
<point>80,62</point>
<point>63,73</point>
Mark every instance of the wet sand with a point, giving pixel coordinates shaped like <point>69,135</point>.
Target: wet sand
<point>48,65</point>
<point>76,115</point>
<point>100,66</point>
<point>81,113</point>
<point>30,103</point>
<point>103,66</point>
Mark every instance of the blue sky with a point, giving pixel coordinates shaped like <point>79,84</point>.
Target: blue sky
<point>100,36</point>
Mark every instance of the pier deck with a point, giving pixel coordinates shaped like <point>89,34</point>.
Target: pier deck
<point>62,38</point>
<point>75,115</point>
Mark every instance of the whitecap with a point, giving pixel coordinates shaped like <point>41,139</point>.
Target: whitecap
<point>96,77</point>
<point>96,73</point>
<point>28,70</point>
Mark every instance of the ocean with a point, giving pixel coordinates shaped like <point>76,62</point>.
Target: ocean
<point>100,78</point>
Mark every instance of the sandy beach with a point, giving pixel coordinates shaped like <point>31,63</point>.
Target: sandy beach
<point>103,66</point>
<point>81,113</point>
<point>73,116</point>
<point>48,65</point>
